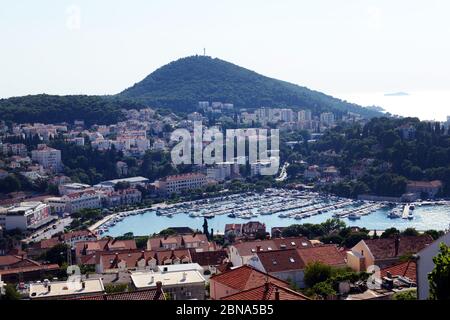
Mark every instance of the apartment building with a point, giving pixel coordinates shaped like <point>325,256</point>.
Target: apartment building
<point>180,183</point>
<point>48,157</point>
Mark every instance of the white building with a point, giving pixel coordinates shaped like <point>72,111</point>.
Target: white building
<point>221,171</point>
<point>183,182</point>
<point>133,182</point>
<point>87,199</point>
<point>425,264</point>
<point>69,188</point>
<point>25,215</point>
<point>327,118</point>
<point>65,289</point>
<point>287,115</point>
<point>256,168</point>
<point>180,285</point>
<point>48,157</point>
<point>304,115</point>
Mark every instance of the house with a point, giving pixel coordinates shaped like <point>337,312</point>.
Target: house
<point>384,252</point>
<point>209,260</point>
<point>29,273</point>
<point>16,261</point>
<point>276,232</point>
<point>240,253</point>
<point>240,279</point>
<point>289,264</point>
<point>405,270</point>
<point>267,291</point>
<point>197,241</point>
<point>233,229</point>
<point>65,289</point>
<point>312,173</point>
<point>73,237</point>
<point>86,249</point>
<point>425,264</point>
<point>42,246</point>
<point>107,262</point>
<point>178,285</point>
<point>252,228</point>
<point>428,188</point>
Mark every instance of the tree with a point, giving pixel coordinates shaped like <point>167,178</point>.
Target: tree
<point>11,293</point>
<point>324,289</point>
<point>316,272</point>
<point>439,278</point>
<point>116,287</point>
<point>389,233</point>
<point>410,232</point>
<point>9,184</point>
<point>434,234</point>
<point>57,254</point>
<point>405,295</point>
<point>354,238</point>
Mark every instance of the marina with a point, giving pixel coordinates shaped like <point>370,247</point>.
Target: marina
<point>278,208</point>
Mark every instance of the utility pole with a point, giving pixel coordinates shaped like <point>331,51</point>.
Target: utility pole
<point>204,51</point>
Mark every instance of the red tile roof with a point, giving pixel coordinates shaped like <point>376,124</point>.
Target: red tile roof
<point>76,234</point>
<point>245,277</point>
<point>327,254</point>
<point>89,247</point>
<point>12,261</point>
<point>385,248</point>
<point>281,260</point>
<point>44,267</point>
<point>152,294</point>
<point>267,291</point>
<point>405,269</point>
<point>208,258</point>
<point>249,247</point>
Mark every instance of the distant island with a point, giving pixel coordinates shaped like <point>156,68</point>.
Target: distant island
<point>396,94</point>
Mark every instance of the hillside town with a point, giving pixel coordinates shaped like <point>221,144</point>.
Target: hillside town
<point>57,206</point>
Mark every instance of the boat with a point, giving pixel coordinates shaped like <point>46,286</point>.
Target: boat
<point>231,215</point>
<point>410,215</point>
<point>412,207</point>
<point>354,216</point>
<point>394,214</point>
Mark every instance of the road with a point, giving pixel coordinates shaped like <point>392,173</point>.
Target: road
<point>49,231</point>
<point>283,174</point>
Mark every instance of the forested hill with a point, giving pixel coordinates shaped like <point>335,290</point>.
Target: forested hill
<point>177,86</point>
<point>181,84</point>
<point>52,108</point>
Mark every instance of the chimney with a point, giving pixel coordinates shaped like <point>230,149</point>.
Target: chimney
<point>397,244</point>
<point>277,294</point>
<point>184,276</point>
<point>83,285</point>
<point>49,288</point>
<point>258,248</point>
<point>159,287</point>
<point>152,279</point>
<point>266,286</point>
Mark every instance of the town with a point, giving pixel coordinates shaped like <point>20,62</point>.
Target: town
<point>65,185</point>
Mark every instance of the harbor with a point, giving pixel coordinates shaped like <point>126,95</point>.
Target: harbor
<point>278,208</point>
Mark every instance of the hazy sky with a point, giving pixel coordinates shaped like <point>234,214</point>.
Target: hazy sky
<point>339,47</point>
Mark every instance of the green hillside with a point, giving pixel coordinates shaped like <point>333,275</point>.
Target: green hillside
<point>182,83</point>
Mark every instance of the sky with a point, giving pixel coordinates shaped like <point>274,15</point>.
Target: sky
<point>357,50</point>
